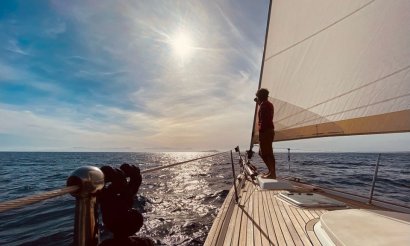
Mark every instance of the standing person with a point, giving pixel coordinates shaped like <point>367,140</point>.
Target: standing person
<point>266,131</point>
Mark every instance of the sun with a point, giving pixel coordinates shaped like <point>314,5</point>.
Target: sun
<point>182,45</point>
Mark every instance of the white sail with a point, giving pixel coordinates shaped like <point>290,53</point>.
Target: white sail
<point>339,67</point>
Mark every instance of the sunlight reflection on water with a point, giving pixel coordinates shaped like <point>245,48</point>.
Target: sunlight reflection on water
<point>179,204</point>
<point>190,199</point>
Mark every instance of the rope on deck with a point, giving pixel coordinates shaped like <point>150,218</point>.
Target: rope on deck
<point>20,202</point>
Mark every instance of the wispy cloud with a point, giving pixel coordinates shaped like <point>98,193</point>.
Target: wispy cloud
<point>13,46</point>
<point>53,28</point>
<point>114,82</point>
<point>103,75</point>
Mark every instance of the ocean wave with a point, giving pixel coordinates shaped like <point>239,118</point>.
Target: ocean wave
<point>179,204</point>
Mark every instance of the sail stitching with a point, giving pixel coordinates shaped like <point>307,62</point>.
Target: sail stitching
<point>348,92</point>
<point>321,30</point>
<point>344,111</point>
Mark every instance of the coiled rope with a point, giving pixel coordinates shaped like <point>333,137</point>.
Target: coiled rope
<point>21,202</point>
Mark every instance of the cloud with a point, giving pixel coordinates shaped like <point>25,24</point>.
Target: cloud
<point>14,47</point>
<point>103,76</point>
<point>19,76</point>
<point>117,83</point>
<point>54,28</point>
<point>47,132</point>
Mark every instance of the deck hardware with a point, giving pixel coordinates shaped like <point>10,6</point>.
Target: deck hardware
<point>234,177</point>
<point>83,184</point>
<point>90,179</point>
<point>288,161</point>
<point>376,170</point>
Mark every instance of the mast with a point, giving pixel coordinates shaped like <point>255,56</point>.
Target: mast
<point>337,68</point>
<point>261,73</point>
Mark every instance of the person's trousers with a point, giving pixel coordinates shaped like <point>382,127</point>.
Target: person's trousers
<point>265,148</point>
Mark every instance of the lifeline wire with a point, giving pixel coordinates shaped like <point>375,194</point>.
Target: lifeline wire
<point>20,202</point>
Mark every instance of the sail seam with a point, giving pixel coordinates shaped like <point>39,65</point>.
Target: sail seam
<point>348,92</point>
<point>318,32</point>
<point>344,111</point>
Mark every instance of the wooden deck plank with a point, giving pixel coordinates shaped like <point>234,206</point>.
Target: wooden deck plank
<point>216,227</point>
<point>238,227</point>
<point>305,217</point>
<point>249,226</point>
<point>262,220</point>
<point>271,222</point>
<point>245,207</point>
<point>311,236</point>
<point>233,221</point>
<point>296,222</point>
<point>256,228</point>
<point>232,235</point>
<point>284,228</point>
<point>279,233</point>
<point>302,214</point>
<point>289,223</point>
<point>310,231</point>
<point>309,214</point>
<point>212,234</point>
<point>317,212</point>
<point>225,222</point>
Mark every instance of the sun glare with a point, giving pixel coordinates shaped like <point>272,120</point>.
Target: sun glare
<point>181,45</point>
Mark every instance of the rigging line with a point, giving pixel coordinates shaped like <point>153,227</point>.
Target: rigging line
<point>179,163</point>
<point>348,92</point>
<point>348,110</point>
<point>20,202</point>
<point>321,30</point>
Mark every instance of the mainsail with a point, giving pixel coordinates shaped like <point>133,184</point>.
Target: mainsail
<point>338,67</point>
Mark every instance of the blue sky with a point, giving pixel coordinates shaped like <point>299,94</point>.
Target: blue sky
<point>136,76</point>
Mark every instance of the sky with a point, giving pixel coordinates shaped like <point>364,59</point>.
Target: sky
<point>138,76</point>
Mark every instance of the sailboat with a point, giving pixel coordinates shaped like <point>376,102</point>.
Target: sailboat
<point>333,68</point>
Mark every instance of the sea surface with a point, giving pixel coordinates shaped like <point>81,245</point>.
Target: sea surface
<point>180,203</point>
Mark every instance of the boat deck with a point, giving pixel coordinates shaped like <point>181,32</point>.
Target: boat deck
<point>261,218</point>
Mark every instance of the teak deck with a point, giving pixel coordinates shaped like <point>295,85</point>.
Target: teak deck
<point>260,218</point>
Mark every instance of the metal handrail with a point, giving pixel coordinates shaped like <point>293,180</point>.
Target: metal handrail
<point>369,198</point>
<point>83,184</point>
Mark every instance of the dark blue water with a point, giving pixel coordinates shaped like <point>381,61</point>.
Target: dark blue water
<point>178,204</point>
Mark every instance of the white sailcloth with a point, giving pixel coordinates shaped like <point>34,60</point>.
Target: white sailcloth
<point>339,67</point>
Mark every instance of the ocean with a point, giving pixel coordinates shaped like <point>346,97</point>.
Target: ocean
<point>180,203</point>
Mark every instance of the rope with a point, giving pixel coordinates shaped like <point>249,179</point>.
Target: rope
<point>343,111</point>
<point>179,163</point>
<point>320,31</point>
<point>350,91</point>
<point>20,202</point>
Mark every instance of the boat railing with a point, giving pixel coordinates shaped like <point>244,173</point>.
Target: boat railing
<point>83,184</point>
<point>358,197</point>
<point>376,171</point>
